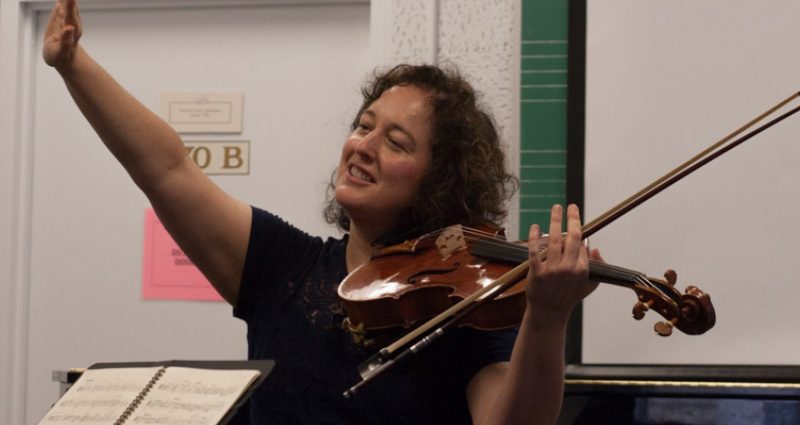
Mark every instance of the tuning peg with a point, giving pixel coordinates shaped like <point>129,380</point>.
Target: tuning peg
<point>671,276</point>
<point>640,308</point>
<point>665,328</point>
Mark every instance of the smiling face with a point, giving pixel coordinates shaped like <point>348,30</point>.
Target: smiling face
<point>385,159</point>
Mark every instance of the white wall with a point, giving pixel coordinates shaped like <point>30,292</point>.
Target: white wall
<point>664,81</point>
<point>73,256</point>
<point>87,217</point>
<point>14,64</point>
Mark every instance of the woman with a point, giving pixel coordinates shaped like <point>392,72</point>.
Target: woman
<point>421,155</point>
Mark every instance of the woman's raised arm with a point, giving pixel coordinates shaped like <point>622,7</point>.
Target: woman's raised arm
<point>210,226</point>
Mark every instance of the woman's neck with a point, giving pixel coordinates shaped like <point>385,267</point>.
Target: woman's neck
<point>359,248</point>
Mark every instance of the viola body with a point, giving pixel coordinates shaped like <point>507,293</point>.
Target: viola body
<point>411,282</point>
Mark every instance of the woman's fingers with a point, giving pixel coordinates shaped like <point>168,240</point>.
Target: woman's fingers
<point>55,22</point>
<point>573,246</point>
<point>72,17</point>
<point>62,33</point>
<point>533,248</point>
<point>54,37</point>
<point>569,247</point>
<point>562,251</point>
<point>554,244</point>
<point>561,280</point>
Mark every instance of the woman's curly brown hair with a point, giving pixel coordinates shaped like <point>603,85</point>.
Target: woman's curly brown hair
<point>466,181</point>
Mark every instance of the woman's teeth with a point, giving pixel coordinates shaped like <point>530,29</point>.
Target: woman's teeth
<point>355,172</point>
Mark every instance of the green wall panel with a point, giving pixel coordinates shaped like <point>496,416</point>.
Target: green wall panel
<point>543,110</point>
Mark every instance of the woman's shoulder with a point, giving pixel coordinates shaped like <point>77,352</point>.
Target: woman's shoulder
<point>271,233</point>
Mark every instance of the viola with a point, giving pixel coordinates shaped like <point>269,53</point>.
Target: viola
<point>405,284</point>
<point>394,282</point>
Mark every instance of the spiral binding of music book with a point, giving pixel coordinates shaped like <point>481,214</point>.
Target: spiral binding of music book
<point>139,398</point>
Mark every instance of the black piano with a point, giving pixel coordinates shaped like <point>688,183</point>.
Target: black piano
<point>681,395</point>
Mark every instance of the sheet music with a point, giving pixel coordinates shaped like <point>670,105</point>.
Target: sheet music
<point>100,396</point>
<point>185,396</point>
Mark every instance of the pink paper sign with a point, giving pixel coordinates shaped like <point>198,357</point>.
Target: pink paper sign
<point>167,273</point>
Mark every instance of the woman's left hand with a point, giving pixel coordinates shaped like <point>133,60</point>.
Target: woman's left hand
<point>560,281</point>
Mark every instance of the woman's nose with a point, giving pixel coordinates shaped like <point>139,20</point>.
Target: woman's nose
<point>367,146</point>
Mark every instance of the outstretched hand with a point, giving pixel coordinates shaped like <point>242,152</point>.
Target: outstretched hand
<point>559,282</point>
<point>63,31</point>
